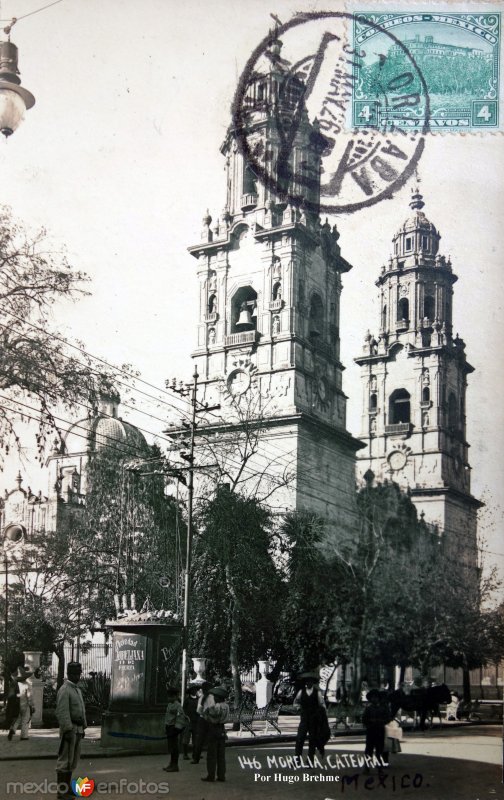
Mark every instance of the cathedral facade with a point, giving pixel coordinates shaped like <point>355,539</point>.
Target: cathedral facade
<point>270,281</point>
<point>414,381</point>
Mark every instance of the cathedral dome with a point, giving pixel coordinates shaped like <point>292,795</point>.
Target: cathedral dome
<point>104,429</point>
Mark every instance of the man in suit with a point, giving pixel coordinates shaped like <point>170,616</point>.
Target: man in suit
<point>71,715</point>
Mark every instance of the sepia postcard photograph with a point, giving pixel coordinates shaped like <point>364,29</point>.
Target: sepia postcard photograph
<point>251,414</point>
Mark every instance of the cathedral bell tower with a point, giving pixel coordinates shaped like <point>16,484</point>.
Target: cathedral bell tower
<point>270,282</point>
<point>414,381</point>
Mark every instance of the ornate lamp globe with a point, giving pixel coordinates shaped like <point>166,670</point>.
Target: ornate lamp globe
<point>14,99</point>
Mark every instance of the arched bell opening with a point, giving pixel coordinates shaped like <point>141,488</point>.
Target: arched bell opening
<point>244,310</point>
<point>399,407</point>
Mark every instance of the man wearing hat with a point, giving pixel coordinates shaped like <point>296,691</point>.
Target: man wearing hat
<point>310,701</point>
<point>216,715</point>
<point>25,703</point>
<point>204,702</point>
<point>71,715</point>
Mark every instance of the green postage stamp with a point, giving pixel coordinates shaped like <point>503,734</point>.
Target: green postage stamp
<point>456,55</point>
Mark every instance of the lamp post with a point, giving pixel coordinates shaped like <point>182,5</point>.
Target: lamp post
<point>14,99</point>
<point>13,535</point>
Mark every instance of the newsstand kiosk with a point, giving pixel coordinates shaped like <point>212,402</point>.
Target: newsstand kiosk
<point>146,659</point>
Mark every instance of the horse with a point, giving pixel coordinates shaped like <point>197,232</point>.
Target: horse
<point>424,702</point>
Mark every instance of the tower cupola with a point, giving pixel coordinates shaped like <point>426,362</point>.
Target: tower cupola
<point>417,236</point>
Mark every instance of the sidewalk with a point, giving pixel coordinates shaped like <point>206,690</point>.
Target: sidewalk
<point>44,742</point>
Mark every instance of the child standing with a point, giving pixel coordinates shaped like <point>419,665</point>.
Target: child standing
<point>175,722</point>
<point>190,708</point>
<point>375,717</point>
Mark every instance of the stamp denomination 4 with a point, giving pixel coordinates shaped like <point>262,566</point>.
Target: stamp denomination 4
<point>458,55</point>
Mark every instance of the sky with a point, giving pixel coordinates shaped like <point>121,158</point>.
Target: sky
<point>119,159</point>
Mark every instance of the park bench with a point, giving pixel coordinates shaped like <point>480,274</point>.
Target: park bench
<point>247,714</point>
<point>477,710</point>
<point>343,713</point>
<point>269,715</point>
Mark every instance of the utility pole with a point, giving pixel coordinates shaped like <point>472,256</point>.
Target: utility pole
<point>189,457</point>
<point>6,624</point>
<point>187,575</point>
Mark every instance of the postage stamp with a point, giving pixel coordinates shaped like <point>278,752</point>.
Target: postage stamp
<point>305,73</point>
<point>458,55</point>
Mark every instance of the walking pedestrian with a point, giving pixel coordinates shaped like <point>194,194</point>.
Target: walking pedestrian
<point>375,717</point>
<point>313,715</point>
<point>175,722</point>
<point>25,709</point>
<point>204,702</point>
<point>71,714</point>
<point>190,708</point>
<point>216,715</point>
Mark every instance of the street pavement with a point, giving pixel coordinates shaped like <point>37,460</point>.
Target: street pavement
<point>459,763</point>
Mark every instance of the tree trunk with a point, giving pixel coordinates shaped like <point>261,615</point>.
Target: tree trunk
<point>233,645</point>
<point>466,683</point>
<point>357,673</point>
<point>60,652</point>
<point>344,696</point>
<point>390,677</point>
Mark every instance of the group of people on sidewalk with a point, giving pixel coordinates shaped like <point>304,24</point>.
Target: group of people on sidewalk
<point>382,732</point>
<point>201,720</point>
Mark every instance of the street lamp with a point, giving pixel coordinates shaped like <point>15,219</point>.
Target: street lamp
<point>14,534</point>
<point>14,99</point>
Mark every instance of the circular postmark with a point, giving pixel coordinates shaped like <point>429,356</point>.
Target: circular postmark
<point>348,156</point>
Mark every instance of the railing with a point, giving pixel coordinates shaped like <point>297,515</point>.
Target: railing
<point>94,658</point>
<point>213,317</point>
<point>275,305</point>
<point>248,201</point>
<point>398,427</point>
<point>402,324</point>
<point>247,337</point>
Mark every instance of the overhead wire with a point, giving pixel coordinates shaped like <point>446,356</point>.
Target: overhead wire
<point>282,454</point>
<point>250,470</point>
<point>14,20</point>
<point>173,395</point>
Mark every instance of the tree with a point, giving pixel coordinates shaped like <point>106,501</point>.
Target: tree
<point>307,629</point>
<point>236,592</point>
<point>39,372</point>
<point>124,541</point>
<point>231,447</point>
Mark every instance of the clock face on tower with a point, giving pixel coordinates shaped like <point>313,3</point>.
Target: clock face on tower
<point>397,460</point>
<point>238,382</point>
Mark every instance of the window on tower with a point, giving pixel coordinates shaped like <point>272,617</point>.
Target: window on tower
<point>249,180</point>
<point>399,407</point>
<point>425,394</point>
<point>425,243</point>
<point>408,244</point>
<point>277,291</point>
<point>316,327</point>
<point>403,309</point>
<point>373,401</point>
<point>429,307</point>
